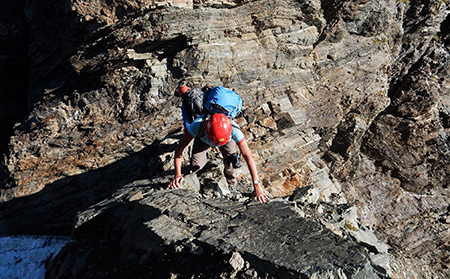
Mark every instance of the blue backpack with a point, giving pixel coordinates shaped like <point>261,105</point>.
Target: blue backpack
<point>222,100</point>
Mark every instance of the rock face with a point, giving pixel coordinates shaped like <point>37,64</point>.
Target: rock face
<point>182,234</point>
<point>347,104</point>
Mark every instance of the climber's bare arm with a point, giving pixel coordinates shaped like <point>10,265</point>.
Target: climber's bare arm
<point>247,154</point>
<point>176,181</point>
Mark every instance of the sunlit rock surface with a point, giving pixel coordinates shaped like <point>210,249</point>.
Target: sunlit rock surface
<point>347,102</point>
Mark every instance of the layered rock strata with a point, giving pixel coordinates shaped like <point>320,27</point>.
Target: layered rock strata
<point>347,97</point>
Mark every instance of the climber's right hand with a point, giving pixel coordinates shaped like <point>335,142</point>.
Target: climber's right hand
<point>176,182</point>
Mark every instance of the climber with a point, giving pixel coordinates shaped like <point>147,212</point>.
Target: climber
<point>216,130</point>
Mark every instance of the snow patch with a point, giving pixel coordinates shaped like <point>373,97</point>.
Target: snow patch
<point>25,257</point>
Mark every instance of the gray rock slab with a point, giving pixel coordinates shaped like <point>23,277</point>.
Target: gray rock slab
<point>271,232</point>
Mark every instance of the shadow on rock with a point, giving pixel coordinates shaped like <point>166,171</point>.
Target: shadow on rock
<point>52,210</point>
<point>180,234</point>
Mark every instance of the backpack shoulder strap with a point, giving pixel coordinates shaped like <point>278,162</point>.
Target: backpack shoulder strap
<point>201,129</point>
<point>235,125</point>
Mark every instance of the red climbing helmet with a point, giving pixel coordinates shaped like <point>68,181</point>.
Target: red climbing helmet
<point>218,129</point>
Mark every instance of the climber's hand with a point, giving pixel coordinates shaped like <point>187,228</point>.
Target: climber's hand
<point>260,196</point>
<point>176,182</point>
